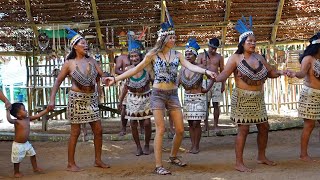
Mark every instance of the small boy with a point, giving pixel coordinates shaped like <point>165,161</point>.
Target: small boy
<point>21,146</point>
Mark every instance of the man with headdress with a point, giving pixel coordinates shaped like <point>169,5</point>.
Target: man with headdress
<point>213,61</point>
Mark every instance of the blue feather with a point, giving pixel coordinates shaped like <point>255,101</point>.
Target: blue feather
<point>70,33</point>
<point>242,25</point>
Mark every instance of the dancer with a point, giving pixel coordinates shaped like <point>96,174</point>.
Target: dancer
<point>195,102</point>
<point>21,146</point>
<point>138,98</point>
<point>165,62</point>
<point>247,104</point>
<point>83,97</point>
<point>309,102</point>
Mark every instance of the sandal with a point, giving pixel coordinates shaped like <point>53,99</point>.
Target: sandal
<point>176,161</point>
<point>161,171</point>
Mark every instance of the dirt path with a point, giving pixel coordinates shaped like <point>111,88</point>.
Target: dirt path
<point>215,161</point>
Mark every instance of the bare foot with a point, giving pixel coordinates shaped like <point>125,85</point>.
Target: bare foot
<point>266,162</point>
<point>146,150</point>
<point>139,152</point>
<point>73,168</point>
<point>18,175</point>
<point>195,151</point>
<point>242,168</point>
<point>122,133</point>
<point>37,170</point>
<point>307,159</point>
<point>101,164</point>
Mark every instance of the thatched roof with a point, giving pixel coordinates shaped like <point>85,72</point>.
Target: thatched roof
<point>273,20</point>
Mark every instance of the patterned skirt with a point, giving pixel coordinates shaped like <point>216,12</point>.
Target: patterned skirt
<point>82,107</point>
<point>309,103</point>
<point>138,106</point>
<point>217,95</point>
<point>194,107</point>
<point>206,83</point>
<point>121,86</point>
<point>248,107</point>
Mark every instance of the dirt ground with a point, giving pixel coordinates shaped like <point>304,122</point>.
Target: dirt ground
<point>215,161</point>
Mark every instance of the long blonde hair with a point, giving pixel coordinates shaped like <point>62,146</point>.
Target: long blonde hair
<point>160,44</point>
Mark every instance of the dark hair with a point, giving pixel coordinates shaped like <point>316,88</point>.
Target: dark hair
<point>73,54</point>
<point>240,49</point>
<point>215,42</point>
<point>140,54</point>
<point>312,49</point>
<point>15,107</point>
<point>116,58</point>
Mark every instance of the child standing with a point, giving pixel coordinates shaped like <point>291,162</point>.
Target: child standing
<point>21,146</point>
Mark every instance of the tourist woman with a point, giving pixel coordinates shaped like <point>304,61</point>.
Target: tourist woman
<point>164,61</point>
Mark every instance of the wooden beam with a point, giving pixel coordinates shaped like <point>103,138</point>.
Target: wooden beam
<point>276,22</point>
<point>226,19</point>
<point>163,11</point>
<point>97,23</point>
<point>30,17</point>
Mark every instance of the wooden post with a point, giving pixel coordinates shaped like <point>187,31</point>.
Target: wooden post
<point>30,17</point>
<point>97,23</point>
<point>276,22</point>
<point>163,11</point>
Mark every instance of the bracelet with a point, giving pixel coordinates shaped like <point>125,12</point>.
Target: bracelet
<point>205,72</point>
<point>114,79</point>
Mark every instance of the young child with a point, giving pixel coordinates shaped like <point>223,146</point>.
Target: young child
<point>21,146</point>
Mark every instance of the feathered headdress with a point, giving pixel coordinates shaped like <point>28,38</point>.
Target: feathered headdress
<point>133,45</point>
<point>167,28</point>
<point>73,36</point>
<point>244,27</point>
<point>193,46</point>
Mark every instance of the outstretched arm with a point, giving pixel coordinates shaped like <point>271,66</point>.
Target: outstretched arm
<point>111,80</point>
<point>228,69</point>
<point>5,100</point>
<point>12,121</point>
<point>40,114</point>
<point>305,66</point>
<point>98,68</point>
<point>195,68</point>
<point>272,73</point>
<point>62,75</point>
